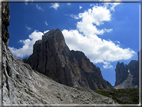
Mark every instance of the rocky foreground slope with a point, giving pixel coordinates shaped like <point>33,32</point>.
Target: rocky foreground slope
<point>52,57</point>
<point>23,85</point>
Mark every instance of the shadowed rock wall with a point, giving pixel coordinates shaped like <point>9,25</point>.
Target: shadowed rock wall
<point>52,57</point>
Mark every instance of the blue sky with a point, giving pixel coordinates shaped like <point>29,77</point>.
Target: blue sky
<point>105,32</point>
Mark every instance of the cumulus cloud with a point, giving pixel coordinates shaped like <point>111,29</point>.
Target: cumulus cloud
<point>93,18</point>
<point>39,8</point>
<point>85,38</point>
<point>27,48</point>
<point>55,5</point>
<point>97,50</point>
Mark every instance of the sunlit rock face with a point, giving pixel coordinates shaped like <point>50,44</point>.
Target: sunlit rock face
<point>52,57</point>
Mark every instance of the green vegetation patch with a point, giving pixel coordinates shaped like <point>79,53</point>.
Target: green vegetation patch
<point>121,96</point>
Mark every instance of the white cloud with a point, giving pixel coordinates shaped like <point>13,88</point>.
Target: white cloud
<point>97,15</point>
<point>39,8</point>
<point>28,28</point>
<point>27,48</point>
<point>85,38</point>
<point>55,5</point>
<point>80,7</point>
<point>97,49</point>
<point>107,65</point>
<point>46,23</point>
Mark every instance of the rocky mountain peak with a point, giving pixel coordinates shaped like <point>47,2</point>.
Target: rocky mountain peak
<point>121,72</point>
<point>52,57</point>
<point>53,34</point>
<point>127,76</point>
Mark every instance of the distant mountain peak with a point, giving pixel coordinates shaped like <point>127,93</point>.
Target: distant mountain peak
<point>127,76</point>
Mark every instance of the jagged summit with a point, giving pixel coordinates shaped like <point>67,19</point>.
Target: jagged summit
<point>50,33</point>
<point>121,73</point>
<point>52,57</point>
<point>127,76</point>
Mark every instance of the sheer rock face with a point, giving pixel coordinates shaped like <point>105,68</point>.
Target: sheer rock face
<point>134,70</point>
<point>52,57</point>
<point>121,73</point>
<point>90,72</point>
<point>127,76</point>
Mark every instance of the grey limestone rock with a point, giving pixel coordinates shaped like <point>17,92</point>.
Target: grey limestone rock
<point>121,73</point>
<point>127,76</point>
<point>52,57</point>
<point>134,70</point>
<point>90,72</point>
<point>22,86</point>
